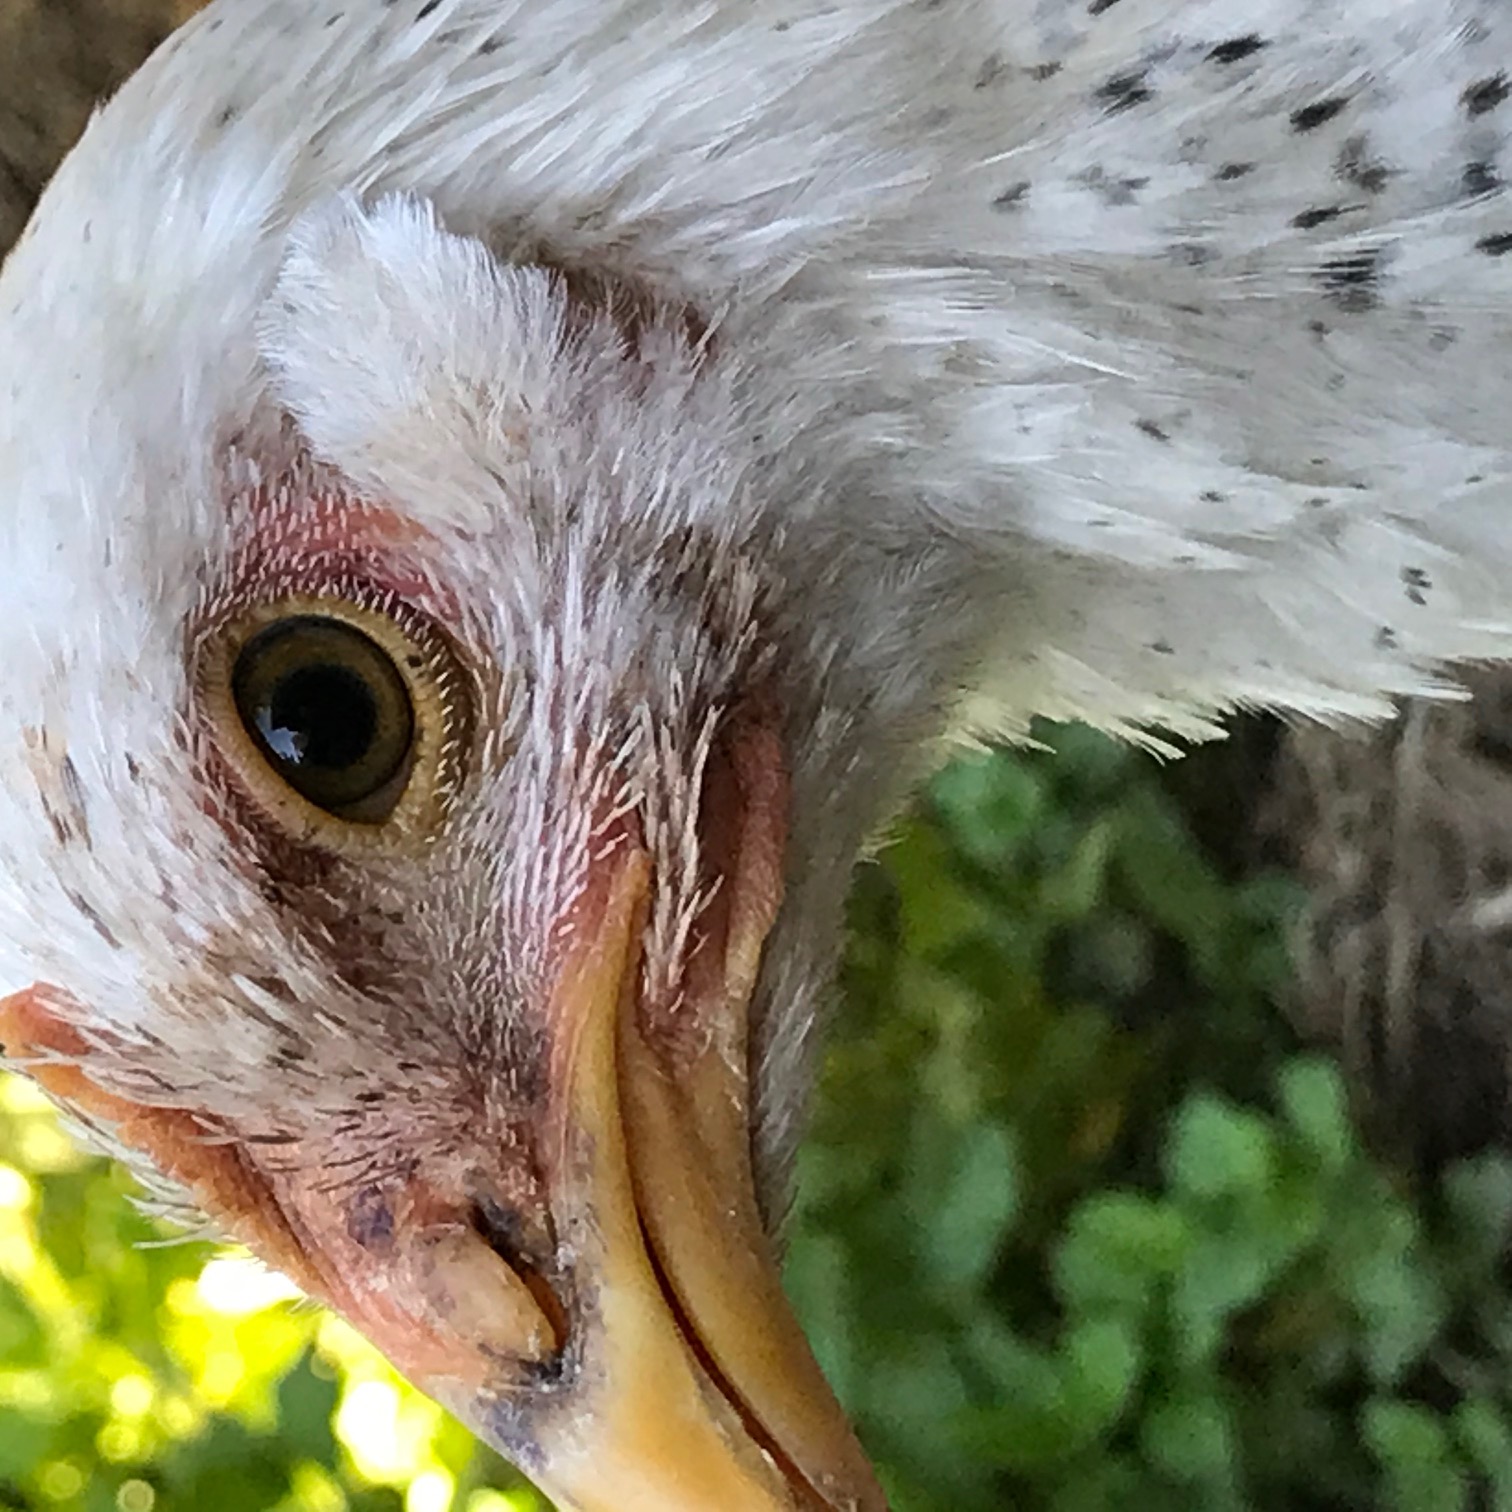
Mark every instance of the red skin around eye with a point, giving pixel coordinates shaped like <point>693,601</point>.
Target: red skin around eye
<point>305,536</point>
<point>325,542</point>
<point>300,536</point>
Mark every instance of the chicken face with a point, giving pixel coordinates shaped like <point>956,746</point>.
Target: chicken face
<point>475,578</point>
<point>418,823</point>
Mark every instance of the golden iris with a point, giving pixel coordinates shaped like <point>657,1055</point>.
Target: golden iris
<point>329,712</point>
<point>345,722</point>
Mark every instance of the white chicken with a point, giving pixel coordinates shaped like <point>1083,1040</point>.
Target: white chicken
<point>503,500</point>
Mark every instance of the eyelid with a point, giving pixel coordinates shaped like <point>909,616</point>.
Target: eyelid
<point>440,696</point>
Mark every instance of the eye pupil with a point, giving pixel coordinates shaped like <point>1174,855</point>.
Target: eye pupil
<point>329,711</point>
<point>320,716</point>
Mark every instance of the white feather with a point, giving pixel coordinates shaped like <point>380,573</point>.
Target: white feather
<point>1133,361</point>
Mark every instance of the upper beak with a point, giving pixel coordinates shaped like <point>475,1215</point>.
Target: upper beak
<point>700,1388</point>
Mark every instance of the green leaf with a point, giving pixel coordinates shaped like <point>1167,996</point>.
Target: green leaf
<point>1312,1097</point>
<point>1191,1439</point>
<point>1482,1431</point>
<point>941,912</point>
<point>976,1207</point>
<point>22,1340</point>
<point>1103,1363</point>
<point>990,804</point>
<point>1117,1246</point>
<point>25,1442</point>
<point>1048,1408</point>
<point>1221,1274</point>
<point>1414,1449</point>
<point>1167,876</point>
<point>816,1278</point>
<point>1072,890</point>
<point>1113,1483</point>
<point>1400,1309</point>
<point>919,1400</point>
<point>1479,1194</point>
<point>1216,1149</point>
<point>306,1403</point>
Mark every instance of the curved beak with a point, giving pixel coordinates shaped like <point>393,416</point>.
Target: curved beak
<point>664,1371</point>
<point>702,1390</point>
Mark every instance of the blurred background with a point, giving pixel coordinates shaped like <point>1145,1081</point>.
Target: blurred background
<point>1159,1158</point>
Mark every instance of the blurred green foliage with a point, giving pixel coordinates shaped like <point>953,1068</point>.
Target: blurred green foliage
<point>1079,1227</point>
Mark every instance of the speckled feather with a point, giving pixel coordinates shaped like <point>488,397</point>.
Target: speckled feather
<point>1133,360</point>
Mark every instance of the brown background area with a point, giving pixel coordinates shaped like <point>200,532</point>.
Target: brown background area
<point>57,59</point>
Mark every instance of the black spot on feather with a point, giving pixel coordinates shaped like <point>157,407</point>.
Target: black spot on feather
<point>1358,168</point>
<point>1485,95</point>
<point>1236,48</point>
<point>1318,216</point>
<point>1478,178</point>
<point>993,68</point>
<point>1310,117</point>
<point>1124,91</point>
<point>1352,282</point>
<point>1417,582</point>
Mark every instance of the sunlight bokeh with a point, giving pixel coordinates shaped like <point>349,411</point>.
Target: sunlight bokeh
<point>121,1354</point>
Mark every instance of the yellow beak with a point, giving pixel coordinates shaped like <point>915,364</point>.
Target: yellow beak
<point>704,1393</point>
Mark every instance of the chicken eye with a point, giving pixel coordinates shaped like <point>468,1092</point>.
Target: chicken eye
<point>330,713</point>
<point>345,723</point>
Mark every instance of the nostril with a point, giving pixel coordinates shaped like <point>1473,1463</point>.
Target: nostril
<point>503,1232</point>
<point>469,1291</point>
<point>370,1219</point>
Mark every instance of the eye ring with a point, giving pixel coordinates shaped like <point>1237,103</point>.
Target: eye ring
<point>343,721</point>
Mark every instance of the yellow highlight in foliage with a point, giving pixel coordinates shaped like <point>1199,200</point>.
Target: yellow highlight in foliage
<point>314,1490</point>
<point>181,1417</point>
<point>237,1285</point>
<point>388,1432</point>
<point>120,1442</point>
<point>502,1501</point>
<point>136,1496</point>
<point>62,1481</point>
<point>430,1491</point>
<point>15,1190</point>
<point>45,1149</point>
<point>220,1375</point>
<point>388,1428</point>
<point>18,1095</point>
<point>131,1396</point>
